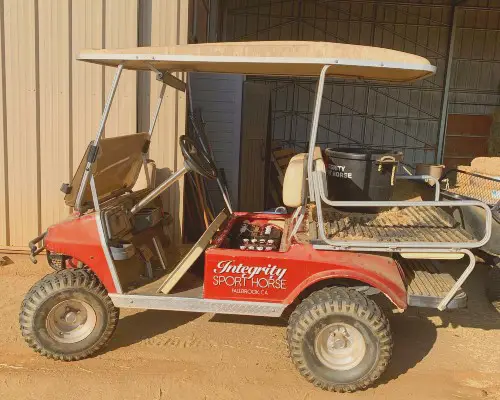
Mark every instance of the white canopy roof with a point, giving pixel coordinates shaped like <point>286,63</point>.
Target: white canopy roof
<point>283,58</point>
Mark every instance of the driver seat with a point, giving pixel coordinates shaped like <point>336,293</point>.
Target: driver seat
<point>294,185</point>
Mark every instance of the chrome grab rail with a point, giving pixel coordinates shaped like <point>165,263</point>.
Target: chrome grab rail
<point>317,185</point>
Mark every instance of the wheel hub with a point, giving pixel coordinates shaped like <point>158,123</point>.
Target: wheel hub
<point>71,321</point>
<point>339,339</point>
<point>340,346</point>
<point>71,317</point>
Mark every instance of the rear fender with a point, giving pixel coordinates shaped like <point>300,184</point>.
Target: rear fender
<point>390,284</point>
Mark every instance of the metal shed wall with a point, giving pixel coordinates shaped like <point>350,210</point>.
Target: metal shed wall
<point>50,104</point>
<point>406,117</point>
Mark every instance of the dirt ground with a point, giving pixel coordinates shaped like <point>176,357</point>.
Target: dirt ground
<point>164,355</point>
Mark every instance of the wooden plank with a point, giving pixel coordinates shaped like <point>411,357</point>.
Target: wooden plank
<point>193,254</point>
<point>4,203</point>
<point>87,79</point>
<point>284,153</point>
<point>453,162</point>
<point>464,146</point>
<point>121,27</point>
<point>276,144</point>
<point>469,125</point>
<point>55,62</point>
<point>21,65</point>
<point>283,162</point>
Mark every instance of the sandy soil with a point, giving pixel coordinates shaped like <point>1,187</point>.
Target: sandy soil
<point>162,355</point>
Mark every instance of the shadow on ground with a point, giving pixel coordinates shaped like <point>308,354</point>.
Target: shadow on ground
<point>144,325</point>
<point>414,331</point>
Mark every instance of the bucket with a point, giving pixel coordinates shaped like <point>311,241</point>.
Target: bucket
<point>356,174</point>
<point>434,170</point>
<point>122,250</point>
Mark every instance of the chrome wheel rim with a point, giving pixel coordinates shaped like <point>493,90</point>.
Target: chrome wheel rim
<point>71,321</point>
<point>340,346</point>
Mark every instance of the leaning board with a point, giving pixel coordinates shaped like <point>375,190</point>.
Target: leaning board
<point>188,260</point>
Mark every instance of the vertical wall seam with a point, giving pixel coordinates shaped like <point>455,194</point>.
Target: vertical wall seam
<point>103,68</point>
<point>4,126</point>
<point>37,118</point>
<point>70,88</point>
<point>137,86</point>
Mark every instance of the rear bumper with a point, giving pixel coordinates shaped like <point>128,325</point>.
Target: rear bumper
<point>36,249</point>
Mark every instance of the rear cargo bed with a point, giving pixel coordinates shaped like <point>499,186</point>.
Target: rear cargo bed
<point>424,224</point>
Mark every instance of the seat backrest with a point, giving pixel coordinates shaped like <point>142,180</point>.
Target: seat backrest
<point>147,177</point>
<point>295,176</point>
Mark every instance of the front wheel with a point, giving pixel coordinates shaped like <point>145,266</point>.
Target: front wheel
<point>339,340</point>
<point>68,315</point>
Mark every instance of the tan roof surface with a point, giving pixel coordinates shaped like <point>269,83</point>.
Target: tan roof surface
<point>285,58</point>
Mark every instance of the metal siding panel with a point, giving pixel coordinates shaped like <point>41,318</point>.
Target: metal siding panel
<point>51,104</point>
<point>171,120</point>
<point>87,79</point>
<point>21,66</point>
<point>121,31</point>
<point>4,204</point>
<point>55,60</point>
<point>144,77</point>
<point>219,97</point>
<point>350,115</point>
<point>476,68</point>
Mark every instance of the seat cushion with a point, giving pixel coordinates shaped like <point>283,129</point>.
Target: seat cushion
<point>295,176</point>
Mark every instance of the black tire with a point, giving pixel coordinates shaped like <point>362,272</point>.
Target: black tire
<point>493,286</point>
<point>331,309</point>
<point>38,317</point>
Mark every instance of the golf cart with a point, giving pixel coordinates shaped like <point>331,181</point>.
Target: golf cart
<point>319,264</point>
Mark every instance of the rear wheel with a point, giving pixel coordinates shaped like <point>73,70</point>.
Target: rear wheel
<point>339,340</point>
<point>68,315</point>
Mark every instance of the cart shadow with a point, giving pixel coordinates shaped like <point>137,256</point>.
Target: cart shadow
<point>249,320</point>
<point>145,325</point>
<point>415,330</point>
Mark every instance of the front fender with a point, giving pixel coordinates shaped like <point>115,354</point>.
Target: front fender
<point>79,238</point>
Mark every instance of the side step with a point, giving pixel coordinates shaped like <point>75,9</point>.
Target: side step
<point>427,285</point>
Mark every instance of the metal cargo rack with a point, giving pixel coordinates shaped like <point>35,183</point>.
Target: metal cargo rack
<point>435,236</point>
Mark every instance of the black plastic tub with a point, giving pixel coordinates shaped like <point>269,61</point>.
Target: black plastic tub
<point>361,175</point>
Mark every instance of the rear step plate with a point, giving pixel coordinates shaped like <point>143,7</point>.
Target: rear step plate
<point>427,285</point>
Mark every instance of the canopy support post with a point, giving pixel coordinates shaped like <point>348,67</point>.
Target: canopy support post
<point>446,92</point>
<point>310,155</point>
<point>314,131</point>
<point>154,118</point>
<point>95,145</point>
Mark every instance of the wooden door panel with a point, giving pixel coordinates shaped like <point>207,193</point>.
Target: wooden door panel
<point>254,145</point>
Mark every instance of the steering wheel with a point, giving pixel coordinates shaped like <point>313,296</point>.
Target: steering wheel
<point>197,159</point>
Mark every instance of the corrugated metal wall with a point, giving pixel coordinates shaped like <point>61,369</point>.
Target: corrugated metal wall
<point>50,104</point>
<point>407,117</point>
<point>219,98</point>
<point>475,82</point>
